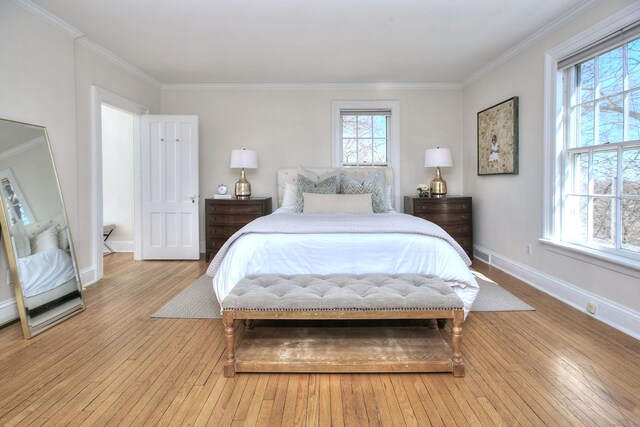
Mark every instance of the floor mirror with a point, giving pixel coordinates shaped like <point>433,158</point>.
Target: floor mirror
<point>35,229</point>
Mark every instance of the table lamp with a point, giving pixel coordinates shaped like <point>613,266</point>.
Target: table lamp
<point>243,159</point>
<point>437,158</point>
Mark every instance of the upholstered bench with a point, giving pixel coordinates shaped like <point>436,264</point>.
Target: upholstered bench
<point>343,348</point>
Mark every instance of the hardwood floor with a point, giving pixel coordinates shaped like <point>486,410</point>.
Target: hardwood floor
<point>115,365</point>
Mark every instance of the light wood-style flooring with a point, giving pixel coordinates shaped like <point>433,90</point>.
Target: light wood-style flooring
<point>115,365</point>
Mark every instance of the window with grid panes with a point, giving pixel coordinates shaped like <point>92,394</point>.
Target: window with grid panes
<point>601,149</point>
<point>365,134</point>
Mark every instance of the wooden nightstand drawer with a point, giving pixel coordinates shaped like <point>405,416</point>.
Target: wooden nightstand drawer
<point>223,217</point>
<point>453,214</point>
<point>233,220</point>
<point>243,209</point>
<point>428,206</point>
<point>443,218</point>
<point>457,229</point>
<point>221,232</point>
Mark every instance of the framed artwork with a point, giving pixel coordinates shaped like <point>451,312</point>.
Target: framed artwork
<point>498,139</point>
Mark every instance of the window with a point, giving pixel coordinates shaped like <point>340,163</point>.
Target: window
<point>364,137</point>
<point>597,177</point>
<point>17,207</point>
<point>367,133</point>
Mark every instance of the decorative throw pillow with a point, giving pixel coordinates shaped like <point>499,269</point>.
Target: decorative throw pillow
<point>21,240</point>
<point>317,178</point>
<point>337,203</point>
<point>374,184</point>
<point>48,239</point>
<point>305,185</point>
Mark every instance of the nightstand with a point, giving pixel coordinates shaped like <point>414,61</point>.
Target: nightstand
<point>223,217</point>
<point>452,213</point>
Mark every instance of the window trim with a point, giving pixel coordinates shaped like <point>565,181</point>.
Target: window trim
<point>393,141</point>
<point>554,138</point>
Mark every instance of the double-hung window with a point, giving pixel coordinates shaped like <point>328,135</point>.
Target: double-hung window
<point>598,181</point>
<point>367,133</point>
<point>365,136</point>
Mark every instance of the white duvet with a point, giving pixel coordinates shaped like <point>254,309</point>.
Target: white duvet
<point>44,271</point>
<point>349,253</point>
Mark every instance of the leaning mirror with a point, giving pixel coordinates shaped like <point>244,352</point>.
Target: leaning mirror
<point>35,229</point>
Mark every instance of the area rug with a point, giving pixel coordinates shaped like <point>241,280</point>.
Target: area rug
<point>198,301</point>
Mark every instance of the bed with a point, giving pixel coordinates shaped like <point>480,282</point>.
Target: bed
<point>47,275</point>
<point>286,242</point>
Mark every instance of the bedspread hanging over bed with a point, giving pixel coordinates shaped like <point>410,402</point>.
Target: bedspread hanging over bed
<point>288,243</point>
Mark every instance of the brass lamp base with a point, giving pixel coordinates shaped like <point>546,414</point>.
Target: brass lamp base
<point>243,187</point>
<point>438,185</point>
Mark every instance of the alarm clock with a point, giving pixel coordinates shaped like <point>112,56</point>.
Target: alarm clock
<point>222,189</point>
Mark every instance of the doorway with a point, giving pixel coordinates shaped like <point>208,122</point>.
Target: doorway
<point>99,98</point>
<point>117,180</point>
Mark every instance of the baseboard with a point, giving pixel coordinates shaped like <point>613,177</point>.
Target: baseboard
<point>88,277</point>
<point>8,311</point>
<point>613,314</point>
<point>120,245</point>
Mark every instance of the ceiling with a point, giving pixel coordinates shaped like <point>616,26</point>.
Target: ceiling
<point>308,41</point>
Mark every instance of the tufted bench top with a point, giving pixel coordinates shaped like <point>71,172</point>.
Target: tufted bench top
<point>342,292</point>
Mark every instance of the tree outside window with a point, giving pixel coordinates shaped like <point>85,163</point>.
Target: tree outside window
<point>601,203</point>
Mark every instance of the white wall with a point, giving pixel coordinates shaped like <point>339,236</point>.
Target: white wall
<point>34,176</point>
<point>293,127</point>
<point>45,79</point>
<point>508,209</point>
<point>37,86</point>
<point>117,176</point>
<point>93,69</point>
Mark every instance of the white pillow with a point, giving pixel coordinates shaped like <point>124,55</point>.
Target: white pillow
<point>337,203</point>
<point>21,240</point>
<point>63,238</point>
<point>289,196</point>
<point>48,239</point>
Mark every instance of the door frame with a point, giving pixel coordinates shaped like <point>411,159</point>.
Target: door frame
<point>101,96</point>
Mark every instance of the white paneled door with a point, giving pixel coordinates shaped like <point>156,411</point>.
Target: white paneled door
<point>170,195</point>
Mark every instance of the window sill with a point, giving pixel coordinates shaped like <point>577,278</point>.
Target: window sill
<point>607,261</point>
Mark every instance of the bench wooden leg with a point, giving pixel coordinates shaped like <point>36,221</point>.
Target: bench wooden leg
<point>456,341</point>
<point>442,323</point>
<point>248,324</point>
<point>229,336</point>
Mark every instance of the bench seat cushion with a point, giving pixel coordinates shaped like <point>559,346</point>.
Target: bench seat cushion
<point>342,292</point>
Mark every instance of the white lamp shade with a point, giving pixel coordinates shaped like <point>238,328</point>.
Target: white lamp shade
<point>244,158</point>
<point>437,157</point>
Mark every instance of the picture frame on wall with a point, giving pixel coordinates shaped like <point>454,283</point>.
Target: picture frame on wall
<point>498,139</point>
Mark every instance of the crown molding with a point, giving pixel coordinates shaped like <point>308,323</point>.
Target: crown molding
<point>314,86</point>
<point>81,39</point>
<point>115,59</point>
<point>48,17</point>
<point>22,147</point>
<point>532,39</point>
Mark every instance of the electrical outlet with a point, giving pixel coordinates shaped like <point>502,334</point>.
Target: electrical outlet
<point>591,307</point>
<point>529,249</point>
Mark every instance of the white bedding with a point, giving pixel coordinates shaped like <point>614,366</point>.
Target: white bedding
<point>353,253</point>
<point>44,271</point>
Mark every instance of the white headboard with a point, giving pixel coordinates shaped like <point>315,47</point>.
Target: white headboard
<point>290,175</point>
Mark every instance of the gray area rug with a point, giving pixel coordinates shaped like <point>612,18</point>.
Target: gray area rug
<point>199,301</point>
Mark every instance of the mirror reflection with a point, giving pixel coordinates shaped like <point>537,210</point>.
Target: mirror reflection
<point>38,242</point>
